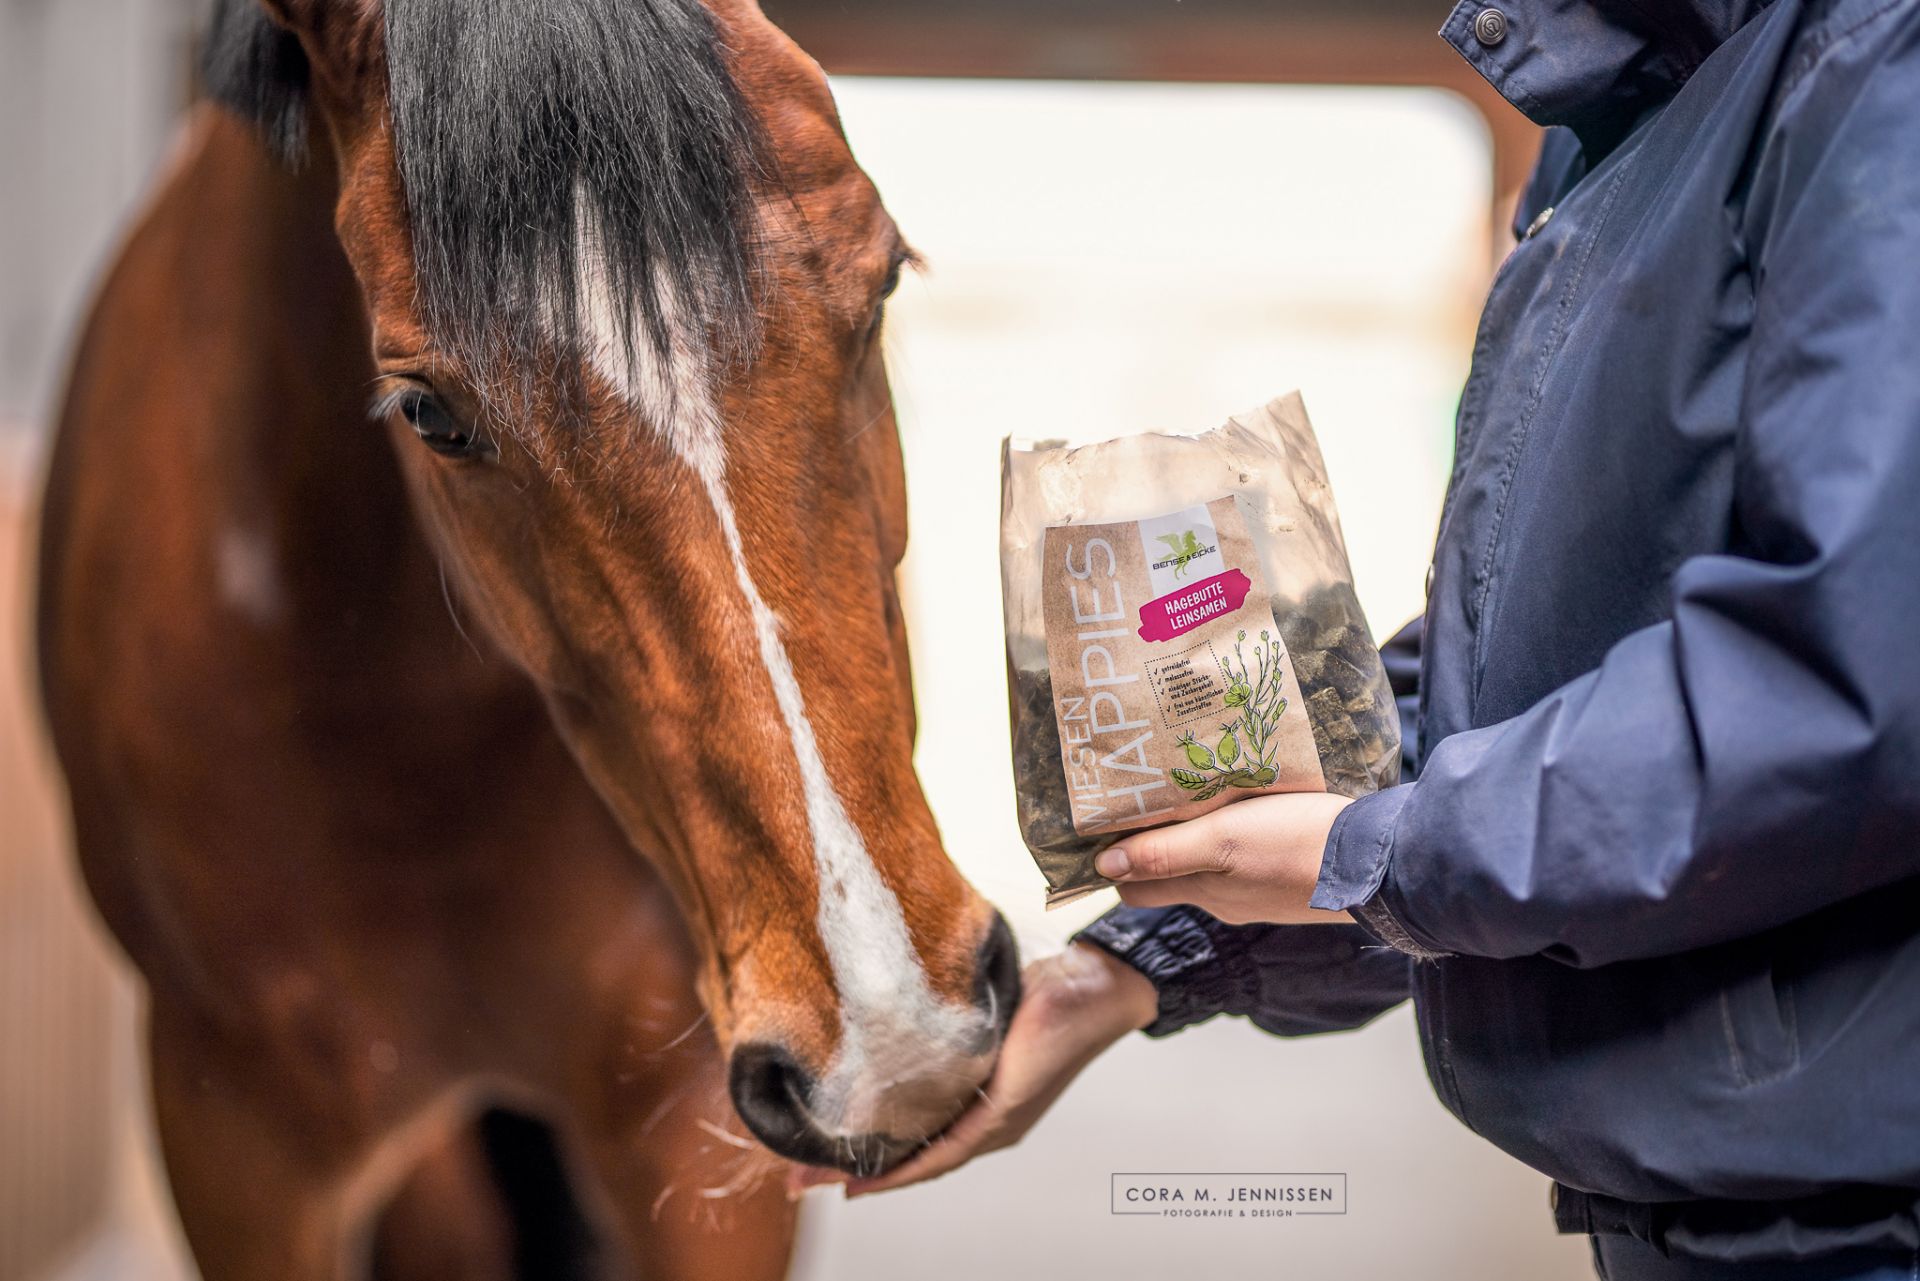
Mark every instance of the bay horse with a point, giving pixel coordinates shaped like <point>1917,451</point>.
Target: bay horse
<point>492,792</point>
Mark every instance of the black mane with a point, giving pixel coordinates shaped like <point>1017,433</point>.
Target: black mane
<point>518,125</point>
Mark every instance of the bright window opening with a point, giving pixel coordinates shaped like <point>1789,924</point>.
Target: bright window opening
<point>1106,258</point>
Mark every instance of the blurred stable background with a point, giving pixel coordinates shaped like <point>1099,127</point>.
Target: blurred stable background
<point>1136,214</point>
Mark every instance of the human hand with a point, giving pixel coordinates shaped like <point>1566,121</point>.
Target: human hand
<point>1256,860</point>
<point>1072,1007</point>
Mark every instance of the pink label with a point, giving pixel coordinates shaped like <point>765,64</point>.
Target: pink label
<point>1169,616</point>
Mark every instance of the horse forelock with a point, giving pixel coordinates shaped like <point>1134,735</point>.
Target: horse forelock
<point>556,160</point>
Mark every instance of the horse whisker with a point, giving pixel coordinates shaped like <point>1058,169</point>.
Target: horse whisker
<point>726,1136</point>
<point>446,596</point>
<point>659,1113</point>
<point>691,1029</point>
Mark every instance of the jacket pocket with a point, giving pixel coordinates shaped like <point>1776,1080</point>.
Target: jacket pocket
<point>1760,1022</point>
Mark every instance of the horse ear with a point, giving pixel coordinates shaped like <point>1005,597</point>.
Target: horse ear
<point>336,34</point>
<point>318,23</point>
<point>258,68</point>
<point>290,13</point>
<point>261,55</point>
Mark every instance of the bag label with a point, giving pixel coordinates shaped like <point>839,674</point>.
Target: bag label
<point>1179,612</point>
<point>1173,691</point>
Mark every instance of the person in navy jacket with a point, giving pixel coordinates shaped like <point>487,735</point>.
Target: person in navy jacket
<point>1653,881</point>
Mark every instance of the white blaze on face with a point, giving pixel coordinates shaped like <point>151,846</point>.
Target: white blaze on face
<point>894,1031</point>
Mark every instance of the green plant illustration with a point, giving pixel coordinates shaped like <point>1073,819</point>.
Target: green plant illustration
<point>1183,548</point>
<point>1242,756</point>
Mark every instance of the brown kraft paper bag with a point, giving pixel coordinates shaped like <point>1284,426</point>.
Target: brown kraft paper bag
<point>1182,632</point>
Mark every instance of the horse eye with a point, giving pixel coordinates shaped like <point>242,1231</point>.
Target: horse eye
<point>887,289</point>
<point>437,428</point>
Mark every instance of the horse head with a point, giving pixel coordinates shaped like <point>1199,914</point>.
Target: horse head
<point>625,283</point>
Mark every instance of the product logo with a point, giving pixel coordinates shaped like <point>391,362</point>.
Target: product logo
<point>1185,548</point>
<point>1180,549</point>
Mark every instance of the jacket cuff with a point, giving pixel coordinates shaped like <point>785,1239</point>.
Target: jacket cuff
<point>1194,963</point>
<point>1374,917</point>
<point>1354,871</point>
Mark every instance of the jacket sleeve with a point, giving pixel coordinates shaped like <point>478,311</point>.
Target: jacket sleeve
<point>1756,757</point>
<point>1290,980</point>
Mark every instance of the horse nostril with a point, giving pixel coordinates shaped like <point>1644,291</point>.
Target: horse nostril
<point>996,984</point>
<point>770,1092</point>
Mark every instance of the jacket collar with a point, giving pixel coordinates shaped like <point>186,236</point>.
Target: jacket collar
<point>1593,65</point>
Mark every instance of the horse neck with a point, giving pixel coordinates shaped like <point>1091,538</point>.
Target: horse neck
<point>216,447</point>
<point>296,446</point>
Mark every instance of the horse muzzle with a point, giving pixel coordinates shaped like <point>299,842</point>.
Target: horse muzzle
<point>896,1109</point>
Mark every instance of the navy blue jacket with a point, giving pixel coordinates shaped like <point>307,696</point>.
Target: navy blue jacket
<point>1660,857</point>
